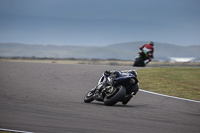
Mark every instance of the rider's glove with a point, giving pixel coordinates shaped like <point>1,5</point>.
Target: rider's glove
<point>112,81</point>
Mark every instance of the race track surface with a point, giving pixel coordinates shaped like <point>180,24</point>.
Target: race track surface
<point>48,98</point>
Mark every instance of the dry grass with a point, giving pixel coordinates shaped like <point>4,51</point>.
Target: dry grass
<point>78,61</point>
<point>104,62</point>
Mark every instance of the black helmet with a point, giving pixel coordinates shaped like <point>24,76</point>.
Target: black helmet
<point>133,72</point>
<point>151,43</point>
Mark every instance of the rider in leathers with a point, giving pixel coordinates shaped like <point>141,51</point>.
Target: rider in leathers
<point>149,50</point>
<point>115,74</point>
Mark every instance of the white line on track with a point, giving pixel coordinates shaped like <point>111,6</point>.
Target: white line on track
<point>169,96</point>
<point>17,131</point>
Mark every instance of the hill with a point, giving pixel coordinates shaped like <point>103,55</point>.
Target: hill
<point>123,51</point>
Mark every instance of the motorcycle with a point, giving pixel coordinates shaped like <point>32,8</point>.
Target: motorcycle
<point>110,91</point>
<point>139,61</point>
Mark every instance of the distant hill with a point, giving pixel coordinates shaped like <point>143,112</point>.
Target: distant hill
<point>124,51</point>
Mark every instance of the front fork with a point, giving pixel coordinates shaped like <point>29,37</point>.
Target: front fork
<point>98,92</point>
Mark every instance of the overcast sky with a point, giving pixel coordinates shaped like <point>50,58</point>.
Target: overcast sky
<point>99,22</point>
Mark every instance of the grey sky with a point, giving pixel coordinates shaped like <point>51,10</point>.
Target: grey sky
<point>99,22</point>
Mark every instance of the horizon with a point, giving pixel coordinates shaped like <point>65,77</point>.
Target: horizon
<point>125,51</point>
<point>99,23</point>
<point>141,42</point>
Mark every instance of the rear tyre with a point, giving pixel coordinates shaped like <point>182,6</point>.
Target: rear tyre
<point>118,95</point>
<point>139,62</point>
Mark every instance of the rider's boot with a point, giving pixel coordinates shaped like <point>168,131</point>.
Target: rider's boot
<point>127,99</point>
<point>137,56</point>
<point>146,61</point>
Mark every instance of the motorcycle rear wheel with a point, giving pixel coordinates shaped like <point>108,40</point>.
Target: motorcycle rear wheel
<point>116,97</point>
<point>139,62</point>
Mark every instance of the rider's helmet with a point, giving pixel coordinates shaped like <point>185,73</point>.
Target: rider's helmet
<point>133,72</point>
<point>151,43</point>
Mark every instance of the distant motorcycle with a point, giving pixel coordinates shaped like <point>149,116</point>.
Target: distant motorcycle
<point>110,92</point>
<point>139,61</point>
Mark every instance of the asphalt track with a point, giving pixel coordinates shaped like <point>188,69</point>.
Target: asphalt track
<point>48,98</point>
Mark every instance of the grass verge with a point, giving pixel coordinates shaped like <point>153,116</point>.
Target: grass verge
<point>103,62</point>
<point>180,82</point>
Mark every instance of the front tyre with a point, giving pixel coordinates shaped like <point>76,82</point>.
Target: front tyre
<point>118,95</point>
<point>89,97</point>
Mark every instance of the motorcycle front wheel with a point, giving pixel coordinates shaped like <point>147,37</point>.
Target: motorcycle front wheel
<point>89,97</point>
<point>116,96</point>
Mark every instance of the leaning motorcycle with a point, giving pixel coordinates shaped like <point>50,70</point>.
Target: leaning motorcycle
<point>110,93</point>
<point>139,61</point>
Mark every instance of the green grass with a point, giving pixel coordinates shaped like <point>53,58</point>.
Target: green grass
<point>5,132</point>
<point>179,82</point>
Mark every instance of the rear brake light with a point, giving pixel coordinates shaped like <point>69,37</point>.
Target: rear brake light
<point>132,81</point>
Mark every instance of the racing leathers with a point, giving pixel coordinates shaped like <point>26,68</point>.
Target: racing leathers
<point>109,79</point>
<point>149,51</point>
<point>115,74</point>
